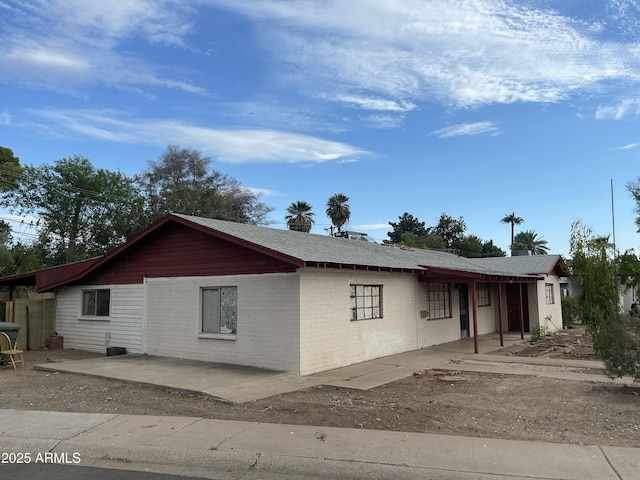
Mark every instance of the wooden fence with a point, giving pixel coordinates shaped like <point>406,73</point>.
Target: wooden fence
<point>34,312</point>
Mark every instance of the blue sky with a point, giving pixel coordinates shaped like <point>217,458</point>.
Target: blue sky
<point>474,108</point>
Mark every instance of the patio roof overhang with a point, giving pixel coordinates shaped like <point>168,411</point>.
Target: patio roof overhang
<point>434,274</point>
<point>46,279</point>
<point>20,280</point>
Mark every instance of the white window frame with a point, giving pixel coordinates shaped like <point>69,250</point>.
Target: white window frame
<point>93,308</point>
<point>366,301</point>
<point>438,300</point>
<point>549,294</point>
<point>225,317</point>
<point>483,294</point>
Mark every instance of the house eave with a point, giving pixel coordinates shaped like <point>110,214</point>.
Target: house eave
<point>447,275</point>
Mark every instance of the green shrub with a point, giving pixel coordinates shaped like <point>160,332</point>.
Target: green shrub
<point>617,343</point>
<point>537,333</point>
<point>571,311</point>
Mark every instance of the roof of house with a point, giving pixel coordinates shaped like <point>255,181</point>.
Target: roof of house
<point>316,250</point>
<point>311,250</point>
<point>323,249</point>
<point>526,264</point>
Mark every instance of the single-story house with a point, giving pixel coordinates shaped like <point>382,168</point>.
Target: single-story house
<point>219,291</point>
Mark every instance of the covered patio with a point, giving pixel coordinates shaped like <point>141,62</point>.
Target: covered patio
<point>510,294</point>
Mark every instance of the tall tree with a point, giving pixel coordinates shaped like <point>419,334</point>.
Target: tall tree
<point>28,257</point>
<point>300,216</point>
<point>616,337</point>
<point>514,220</point>
<point>428,242</point>
<point>491,250</point>
<point>601,243</point>
<point>83,211</point>
<point>182,181</point>
<point>406,223</point>
<point>450,229</point>
<point>634,190</point>
<point>469,246</point>
<point>529,240</point>
<point>338,210</point>
<point>10,169</point>
<point>7,264</point>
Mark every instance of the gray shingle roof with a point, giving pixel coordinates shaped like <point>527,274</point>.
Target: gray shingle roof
<point>521,265</point>
<point>312,248</point>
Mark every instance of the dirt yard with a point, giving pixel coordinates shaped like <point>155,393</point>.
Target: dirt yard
<point>472,404</point>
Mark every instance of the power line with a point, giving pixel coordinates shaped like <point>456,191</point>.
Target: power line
<point>65,187</point>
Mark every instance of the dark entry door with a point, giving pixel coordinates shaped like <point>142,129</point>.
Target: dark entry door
<point>513,306</point>
<point>463,290</point>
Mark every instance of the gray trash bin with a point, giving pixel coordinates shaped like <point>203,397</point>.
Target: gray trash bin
<point>12,330</point>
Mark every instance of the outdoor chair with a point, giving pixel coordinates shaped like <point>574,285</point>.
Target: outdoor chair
<point>7,349</point>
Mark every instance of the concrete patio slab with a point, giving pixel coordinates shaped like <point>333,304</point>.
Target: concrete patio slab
<point>231,383</point>
<point>239,384</point>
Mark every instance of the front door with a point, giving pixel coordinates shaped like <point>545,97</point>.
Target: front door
<point>463,290</point>
<point>515,291</point>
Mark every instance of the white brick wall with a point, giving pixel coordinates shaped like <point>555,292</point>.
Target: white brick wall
<point>329,339</point>
<point>487,316</point>
<point>434,331</point>
<point>124,328</point>
<point>292,322</point>
<point>549,316</point>
<point>268,326</point>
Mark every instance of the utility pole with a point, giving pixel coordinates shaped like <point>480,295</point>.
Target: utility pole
<point>613,220</point>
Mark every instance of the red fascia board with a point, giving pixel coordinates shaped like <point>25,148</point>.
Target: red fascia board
<point>488,277</point>
<point>157,226</point>
<point>451,273</point>
<point>51,277</point>
<point>19,280</point>
<point>43,279</point>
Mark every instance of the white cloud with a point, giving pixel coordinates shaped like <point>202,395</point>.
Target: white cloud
<point>383,121</point>
<point>627,147</point>
<point>5,118</point>
<point>69,44</point>
<point>468,129</point>
<point>228,145</point>
<point>371,103</point>
<point>386,57</point>
<point>629,107</point>
<point>157,21</point>
<point>464,53</point>
<point>265,192</point>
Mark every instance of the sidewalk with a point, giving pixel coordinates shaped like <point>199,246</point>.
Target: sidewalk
<point>231,449</point>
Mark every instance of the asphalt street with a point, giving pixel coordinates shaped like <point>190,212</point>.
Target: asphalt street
<point>142,472</point>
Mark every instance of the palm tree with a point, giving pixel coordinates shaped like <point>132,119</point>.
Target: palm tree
<point>528,240</point>
<point>300,216</point>
<point>601,244</point>
<point>513,220</point>
<point>338,210</point>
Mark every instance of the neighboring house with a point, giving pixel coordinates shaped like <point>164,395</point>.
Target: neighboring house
<point>226,292</point>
